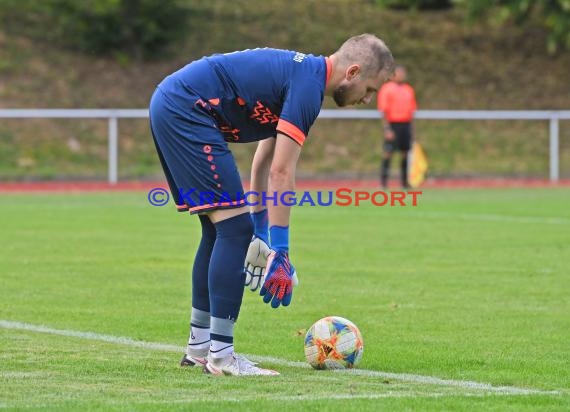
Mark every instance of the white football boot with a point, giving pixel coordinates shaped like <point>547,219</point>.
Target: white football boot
<point>235,365</point>
<point>195,357</point>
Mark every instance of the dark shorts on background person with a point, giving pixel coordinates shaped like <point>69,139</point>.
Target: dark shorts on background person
<point>200,169</point>
<point>402,138</point>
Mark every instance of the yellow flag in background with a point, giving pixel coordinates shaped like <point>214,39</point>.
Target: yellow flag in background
<point>417,165</point>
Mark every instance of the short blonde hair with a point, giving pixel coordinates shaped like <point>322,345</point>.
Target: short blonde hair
<point>369,52</point>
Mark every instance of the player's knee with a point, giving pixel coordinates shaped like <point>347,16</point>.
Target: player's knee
<point>245,225</point>
<point>238,227</point>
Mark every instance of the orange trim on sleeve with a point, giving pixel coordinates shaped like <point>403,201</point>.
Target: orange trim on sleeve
<point>214,101</point>
<point>329,70</point>
<point>291,130</point>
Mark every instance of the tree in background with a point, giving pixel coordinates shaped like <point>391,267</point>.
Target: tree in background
<point>416,4</point>
<point>552,14</point>
<point>122,28</point>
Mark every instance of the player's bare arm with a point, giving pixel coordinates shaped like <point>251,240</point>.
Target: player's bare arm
<point>280,278</point>
<point>282,177</point>
<point>388,132</point>
<point>260,171</point>
<point>258,251</point>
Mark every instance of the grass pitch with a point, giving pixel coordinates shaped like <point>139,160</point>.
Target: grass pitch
<point>469,286</point>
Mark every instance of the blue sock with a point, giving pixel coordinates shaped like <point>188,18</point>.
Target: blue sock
<point>226,277</point>
<point>261,224</point>
<point>279,236</point>
<point>200,293</point>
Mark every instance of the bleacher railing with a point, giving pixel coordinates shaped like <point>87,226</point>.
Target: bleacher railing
<point>113,115</point>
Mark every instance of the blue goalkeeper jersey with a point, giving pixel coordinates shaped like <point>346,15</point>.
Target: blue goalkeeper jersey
<point>253,94</point>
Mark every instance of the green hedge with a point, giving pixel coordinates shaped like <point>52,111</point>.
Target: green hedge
<point>552,14</point>
<point>416,4</point>
<point>127,28</point>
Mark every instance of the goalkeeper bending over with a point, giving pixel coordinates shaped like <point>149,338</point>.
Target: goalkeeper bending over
<point>266,95</point>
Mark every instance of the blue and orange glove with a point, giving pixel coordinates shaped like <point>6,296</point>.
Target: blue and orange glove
<point>280,275</point>
<point>258,251</point>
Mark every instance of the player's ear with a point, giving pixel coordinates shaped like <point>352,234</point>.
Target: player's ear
<point>352,71</point>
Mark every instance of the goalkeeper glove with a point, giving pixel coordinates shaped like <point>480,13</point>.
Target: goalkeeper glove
<point>258,251</point>
<point>278,284</point>
<point>256,262</point>
<point>280,275</point>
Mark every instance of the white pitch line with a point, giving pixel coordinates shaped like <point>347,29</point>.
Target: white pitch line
<point>7,324</point>
<point>296,398</point>
<point>405,377</point>
<point>431,380</point>
<point>494,218</point>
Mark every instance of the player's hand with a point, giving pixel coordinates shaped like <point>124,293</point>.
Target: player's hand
<point>389,134</point>
<point>279,281</point>
<point>256,262</point>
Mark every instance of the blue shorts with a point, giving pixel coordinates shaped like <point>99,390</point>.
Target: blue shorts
<point>199,166</point>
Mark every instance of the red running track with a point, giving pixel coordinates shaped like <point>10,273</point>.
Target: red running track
<point>71,186</point>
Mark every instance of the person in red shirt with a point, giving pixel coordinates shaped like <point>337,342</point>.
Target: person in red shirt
<point>397,102</point>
